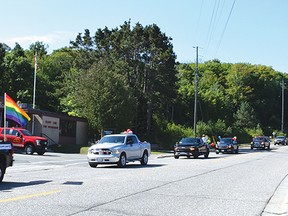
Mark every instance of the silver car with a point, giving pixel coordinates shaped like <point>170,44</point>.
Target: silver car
<point>280,140</point>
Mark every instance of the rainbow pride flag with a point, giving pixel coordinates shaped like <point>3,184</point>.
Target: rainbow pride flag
<point>14,112</point>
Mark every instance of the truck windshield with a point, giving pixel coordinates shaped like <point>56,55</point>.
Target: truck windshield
<point>190,141</point>
<point>112,139</point>
<point>226,141</point>
<point>26,133</point>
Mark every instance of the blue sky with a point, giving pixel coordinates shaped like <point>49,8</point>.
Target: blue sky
<point>256,31</point>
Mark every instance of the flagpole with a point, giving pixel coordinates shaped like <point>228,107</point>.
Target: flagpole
<point>34,90</point>
<point>5,117</point>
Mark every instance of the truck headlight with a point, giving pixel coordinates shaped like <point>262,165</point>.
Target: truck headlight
<point>38,142</point>
<point>115,151</point>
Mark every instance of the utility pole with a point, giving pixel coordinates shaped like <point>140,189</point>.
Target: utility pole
<point>282,118</point>
<point>196,92</point>
<point>34,91</point>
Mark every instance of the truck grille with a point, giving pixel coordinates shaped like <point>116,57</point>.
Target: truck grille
<point>103,152</point>
<point>43,142</point>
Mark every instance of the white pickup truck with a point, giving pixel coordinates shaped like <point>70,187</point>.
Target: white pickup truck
<point>119,149</point>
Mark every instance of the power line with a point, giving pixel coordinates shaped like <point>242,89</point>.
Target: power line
<point>210,30</point>
<point>199,17</point>
<point>225,27</point>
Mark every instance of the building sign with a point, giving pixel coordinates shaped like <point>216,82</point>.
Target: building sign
<point>51,128</point>
<point>50,123</point>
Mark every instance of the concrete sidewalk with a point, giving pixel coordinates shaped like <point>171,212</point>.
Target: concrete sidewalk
<point>278,204</point>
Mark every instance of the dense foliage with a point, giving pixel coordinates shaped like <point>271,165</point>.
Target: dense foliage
<point>128,77</point>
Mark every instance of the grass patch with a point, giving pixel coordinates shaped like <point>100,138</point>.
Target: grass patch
<point>84,150</point>
<point>160,151</point>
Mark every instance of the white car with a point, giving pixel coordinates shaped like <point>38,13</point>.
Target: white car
<point>119,149</point>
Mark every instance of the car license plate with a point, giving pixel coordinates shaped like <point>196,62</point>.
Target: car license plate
<point>99,159</point>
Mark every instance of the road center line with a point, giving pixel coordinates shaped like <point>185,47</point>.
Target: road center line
<point>29,196</point>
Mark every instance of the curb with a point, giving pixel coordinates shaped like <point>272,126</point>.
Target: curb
<point>164,156</point>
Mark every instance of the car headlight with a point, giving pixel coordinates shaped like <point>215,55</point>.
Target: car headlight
<point>192,149</point>
<point>115,151</point>
<point>229,146</point>
<point>90,150</point>
<point>38,142</point>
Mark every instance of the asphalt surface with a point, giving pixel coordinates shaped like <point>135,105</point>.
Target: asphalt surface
<point>253,182</point>
<point>277,204</point>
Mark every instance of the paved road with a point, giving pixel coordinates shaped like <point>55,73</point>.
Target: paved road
<point>224,184</point>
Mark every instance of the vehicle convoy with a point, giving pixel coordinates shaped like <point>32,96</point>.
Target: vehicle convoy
<point>22,138</point>
<point>6,157</point>
<point>280,140</point>
<point>119,149</point>
<point>227,144</point>
<point>260,142</point>
<point>189,146</point>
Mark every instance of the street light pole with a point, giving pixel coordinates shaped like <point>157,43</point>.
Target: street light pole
<point>196,92</point>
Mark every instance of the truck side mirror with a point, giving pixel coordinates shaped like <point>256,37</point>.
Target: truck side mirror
<point>129,142</point>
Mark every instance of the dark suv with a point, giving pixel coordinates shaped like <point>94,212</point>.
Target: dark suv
<point>260,142</point>
<point>227,145</point>
<point>6,157</point>
<point>191,147</point>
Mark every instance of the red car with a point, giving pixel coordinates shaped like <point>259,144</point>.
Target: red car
<point>22,138</point>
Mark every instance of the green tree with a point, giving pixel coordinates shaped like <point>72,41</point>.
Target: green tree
<point>18,75</point>
<point>50,79</point>
<point>103,96</point>
<point>143,56</point>
<point>245,116</point>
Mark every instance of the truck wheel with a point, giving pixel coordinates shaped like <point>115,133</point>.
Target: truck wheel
<point>122,160</point>
<point>29,149</point>
<point>2,172</point>
<point>144,159</point>
<point>94,165</point>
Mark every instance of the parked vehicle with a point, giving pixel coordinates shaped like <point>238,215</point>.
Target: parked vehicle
<point>119,149</point>
<point>260,142</point>
<point>191,147</point>
<point>280,140</point>
<point>22,138</point>
<point>6,157</point>
<point>227,144</point>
